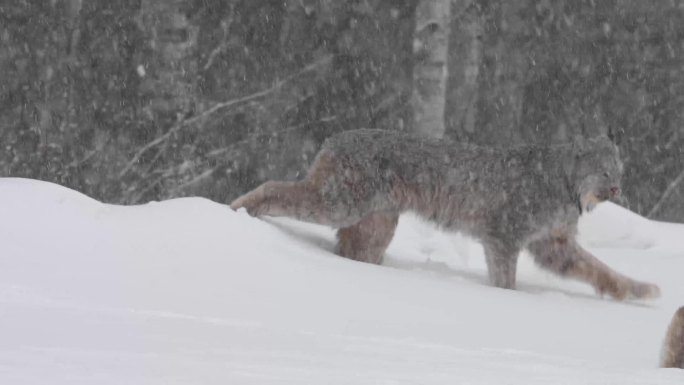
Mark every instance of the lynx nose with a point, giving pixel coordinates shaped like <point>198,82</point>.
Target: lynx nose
<point>614,191</point>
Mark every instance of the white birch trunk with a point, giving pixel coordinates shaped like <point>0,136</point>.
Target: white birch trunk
<point>430,47</point>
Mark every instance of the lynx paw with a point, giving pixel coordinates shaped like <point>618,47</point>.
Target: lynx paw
<point>643,290</point>
<point>622,288</point>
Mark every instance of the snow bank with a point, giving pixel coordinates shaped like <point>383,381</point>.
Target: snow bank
<point>189,292</point>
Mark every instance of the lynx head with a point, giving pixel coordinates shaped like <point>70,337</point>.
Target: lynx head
<point>595,171</point>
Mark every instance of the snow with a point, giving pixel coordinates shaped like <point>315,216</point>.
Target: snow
<point>187,291</point>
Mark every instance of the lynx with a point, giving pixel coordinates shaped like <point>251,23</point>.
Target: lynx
<point>526,197</point>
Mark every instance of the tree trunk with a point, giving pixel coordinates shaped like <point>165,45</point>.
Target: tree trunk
<point>430,47</point>
<point>170,79</point>
<point>465,59</point>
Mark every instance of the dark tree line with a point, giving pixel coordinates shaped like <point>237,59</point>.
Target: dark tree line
<point>134,100</point>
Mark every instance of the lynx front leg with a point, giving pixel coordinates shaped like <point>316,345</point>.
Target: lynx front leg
<point>502,263</point>
<point>565,257</point>
<point>368,239</point>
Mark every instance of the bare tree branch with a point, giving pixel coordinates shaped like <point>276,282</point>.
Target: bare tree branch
<point>225,27</point>
<point>77,162</point>
<point>219,106</point>
<point>666,194</point>
<point>205,174</point>
<point>223,150</point>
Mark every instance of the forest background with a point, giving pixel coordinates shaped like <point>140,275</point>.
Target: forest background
<point>129,101</point>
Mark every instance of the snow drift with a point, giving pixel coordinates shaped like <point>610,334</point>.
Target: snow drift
<point>189,292</point>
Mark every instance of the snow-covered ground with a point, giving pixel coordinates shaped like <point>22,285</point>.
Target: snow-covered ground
<point>189,292</point>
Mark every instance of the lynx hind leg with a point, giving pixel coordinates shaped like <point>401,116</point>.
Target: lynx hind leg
<point>673,348</point>
<point>563,256</point>
<point>298,200</point>
<point>502,263</point>
<point>272,198</point>
<point>367,240</point>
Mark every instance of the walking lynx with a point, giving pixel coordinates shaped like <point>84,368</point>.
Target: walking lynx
<point>509,199</point>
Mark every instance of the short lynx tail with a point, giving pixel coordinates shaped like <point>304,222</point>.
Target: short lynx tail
<point>673,348</point>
